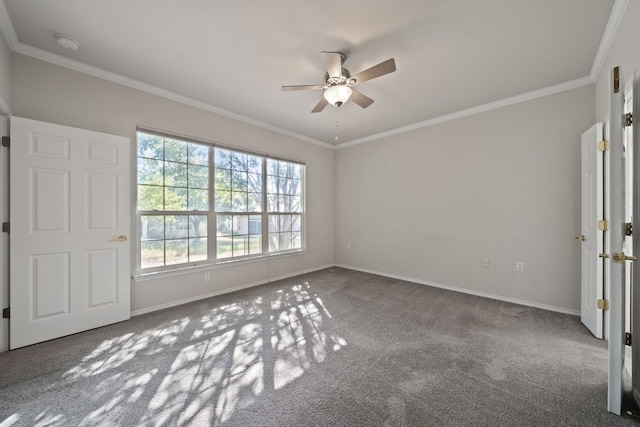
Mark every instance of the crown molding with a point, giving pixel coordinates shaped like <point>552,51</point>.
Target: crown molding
<point>573,84</point>
<point>615,18</point>
<point>72,64</point>
<point>6,26</point>
<point>617,13</point>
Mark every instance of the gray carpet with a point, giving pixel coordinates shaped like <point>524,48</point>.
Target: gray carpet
<point>331,348</point>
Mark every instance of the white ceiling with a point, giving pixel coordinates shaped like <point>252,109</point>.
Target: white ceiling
<point>232,56</point>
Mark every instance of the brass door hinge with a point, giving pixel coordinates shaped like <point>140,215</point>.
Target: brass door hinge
<point>616,80</point>
<point>628,120</point>
<point>6,141</point>
<point>627,338</point>
<point>603,145</point>
<point>6,313</point>
<point>603,225</point>
<point>603,304</point>
<point>628,229</point>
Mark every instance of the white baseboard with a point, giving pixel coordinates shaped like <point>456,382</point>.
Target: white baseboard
<point>224,291</point>
<point>467,291</point>
<point>364,270</point>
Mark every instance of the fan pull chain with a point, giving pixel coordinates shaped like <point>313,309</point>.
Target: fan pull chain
<point>337,109</point>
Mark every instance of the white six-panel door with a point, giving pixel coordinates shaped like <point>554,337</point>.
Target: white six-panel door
<point>592,238</point>
<point>70,221</point>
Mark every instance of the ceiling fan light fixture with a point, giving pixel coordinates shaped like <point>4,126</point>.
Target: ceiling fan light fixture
<point>337,95</point>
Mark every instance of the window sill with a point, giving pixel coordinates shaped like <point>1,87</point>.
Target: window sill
<point>143,277</point>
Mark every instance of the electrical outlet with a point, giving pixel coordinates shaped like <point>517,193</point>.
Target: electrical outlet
<point>485,262</point>
<point>207,277</point>
<point>519,266</point>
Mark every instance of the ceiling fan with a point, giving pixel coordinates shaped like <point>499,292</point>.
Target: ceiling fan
<point>338,82</point>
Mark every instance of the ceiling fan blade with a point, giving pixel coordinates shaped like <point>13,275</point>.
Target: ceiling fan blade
<point>301,87</point>
<point>360,99</point>
<point>386,67</point>
<point>333,62</point>
<point>323,103</point>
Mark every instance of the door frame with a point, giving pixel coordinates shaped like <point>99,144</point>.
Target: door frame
<point>5,115</point>
<point>615,271</point>
<point>635,281</point>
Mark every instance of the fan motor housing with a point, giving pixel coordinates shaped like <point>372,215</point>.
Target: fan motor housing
<point>335,81</point>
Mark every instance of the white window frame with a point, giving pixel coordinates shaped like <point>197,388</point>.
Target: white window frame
<point>212,238</point>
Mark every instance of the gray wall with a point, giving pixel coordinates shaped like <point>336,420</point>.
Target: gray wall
<point>427,205</point>
<point>430,204</point>
<point>47,92</point>
<point>5,75</point>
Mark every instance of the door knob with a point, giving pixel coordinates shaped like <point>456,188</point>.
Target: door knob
<point>581,237</point>
<point>620,257</point>
<point>120,238</point>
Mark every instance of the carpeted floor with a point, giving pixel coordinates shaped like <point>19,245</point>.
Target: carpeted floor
<point>331,348</point>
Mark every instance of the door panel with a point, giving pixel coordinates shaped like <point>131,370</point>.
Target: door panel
<point>592,240</point>
<point>69,203</point>
<point>102,278</point>
<point>50,201</point>
<point>102,202</point>
<point>50,285</point>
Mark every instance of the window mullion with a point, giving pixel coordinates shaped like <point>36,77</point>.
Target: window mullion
<point>212,241</point>
<point>265,214</point>
<point>167,213</point>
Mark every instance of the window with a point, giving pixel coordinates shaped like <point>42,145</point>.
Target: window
<point>284,205</point>
<point>238,203</point>
<point>173,201</point>
<point>189,191</point>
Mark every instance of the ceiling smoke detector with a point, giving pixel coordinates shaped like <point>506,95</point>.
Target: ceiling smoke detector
<point>67,42</point>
